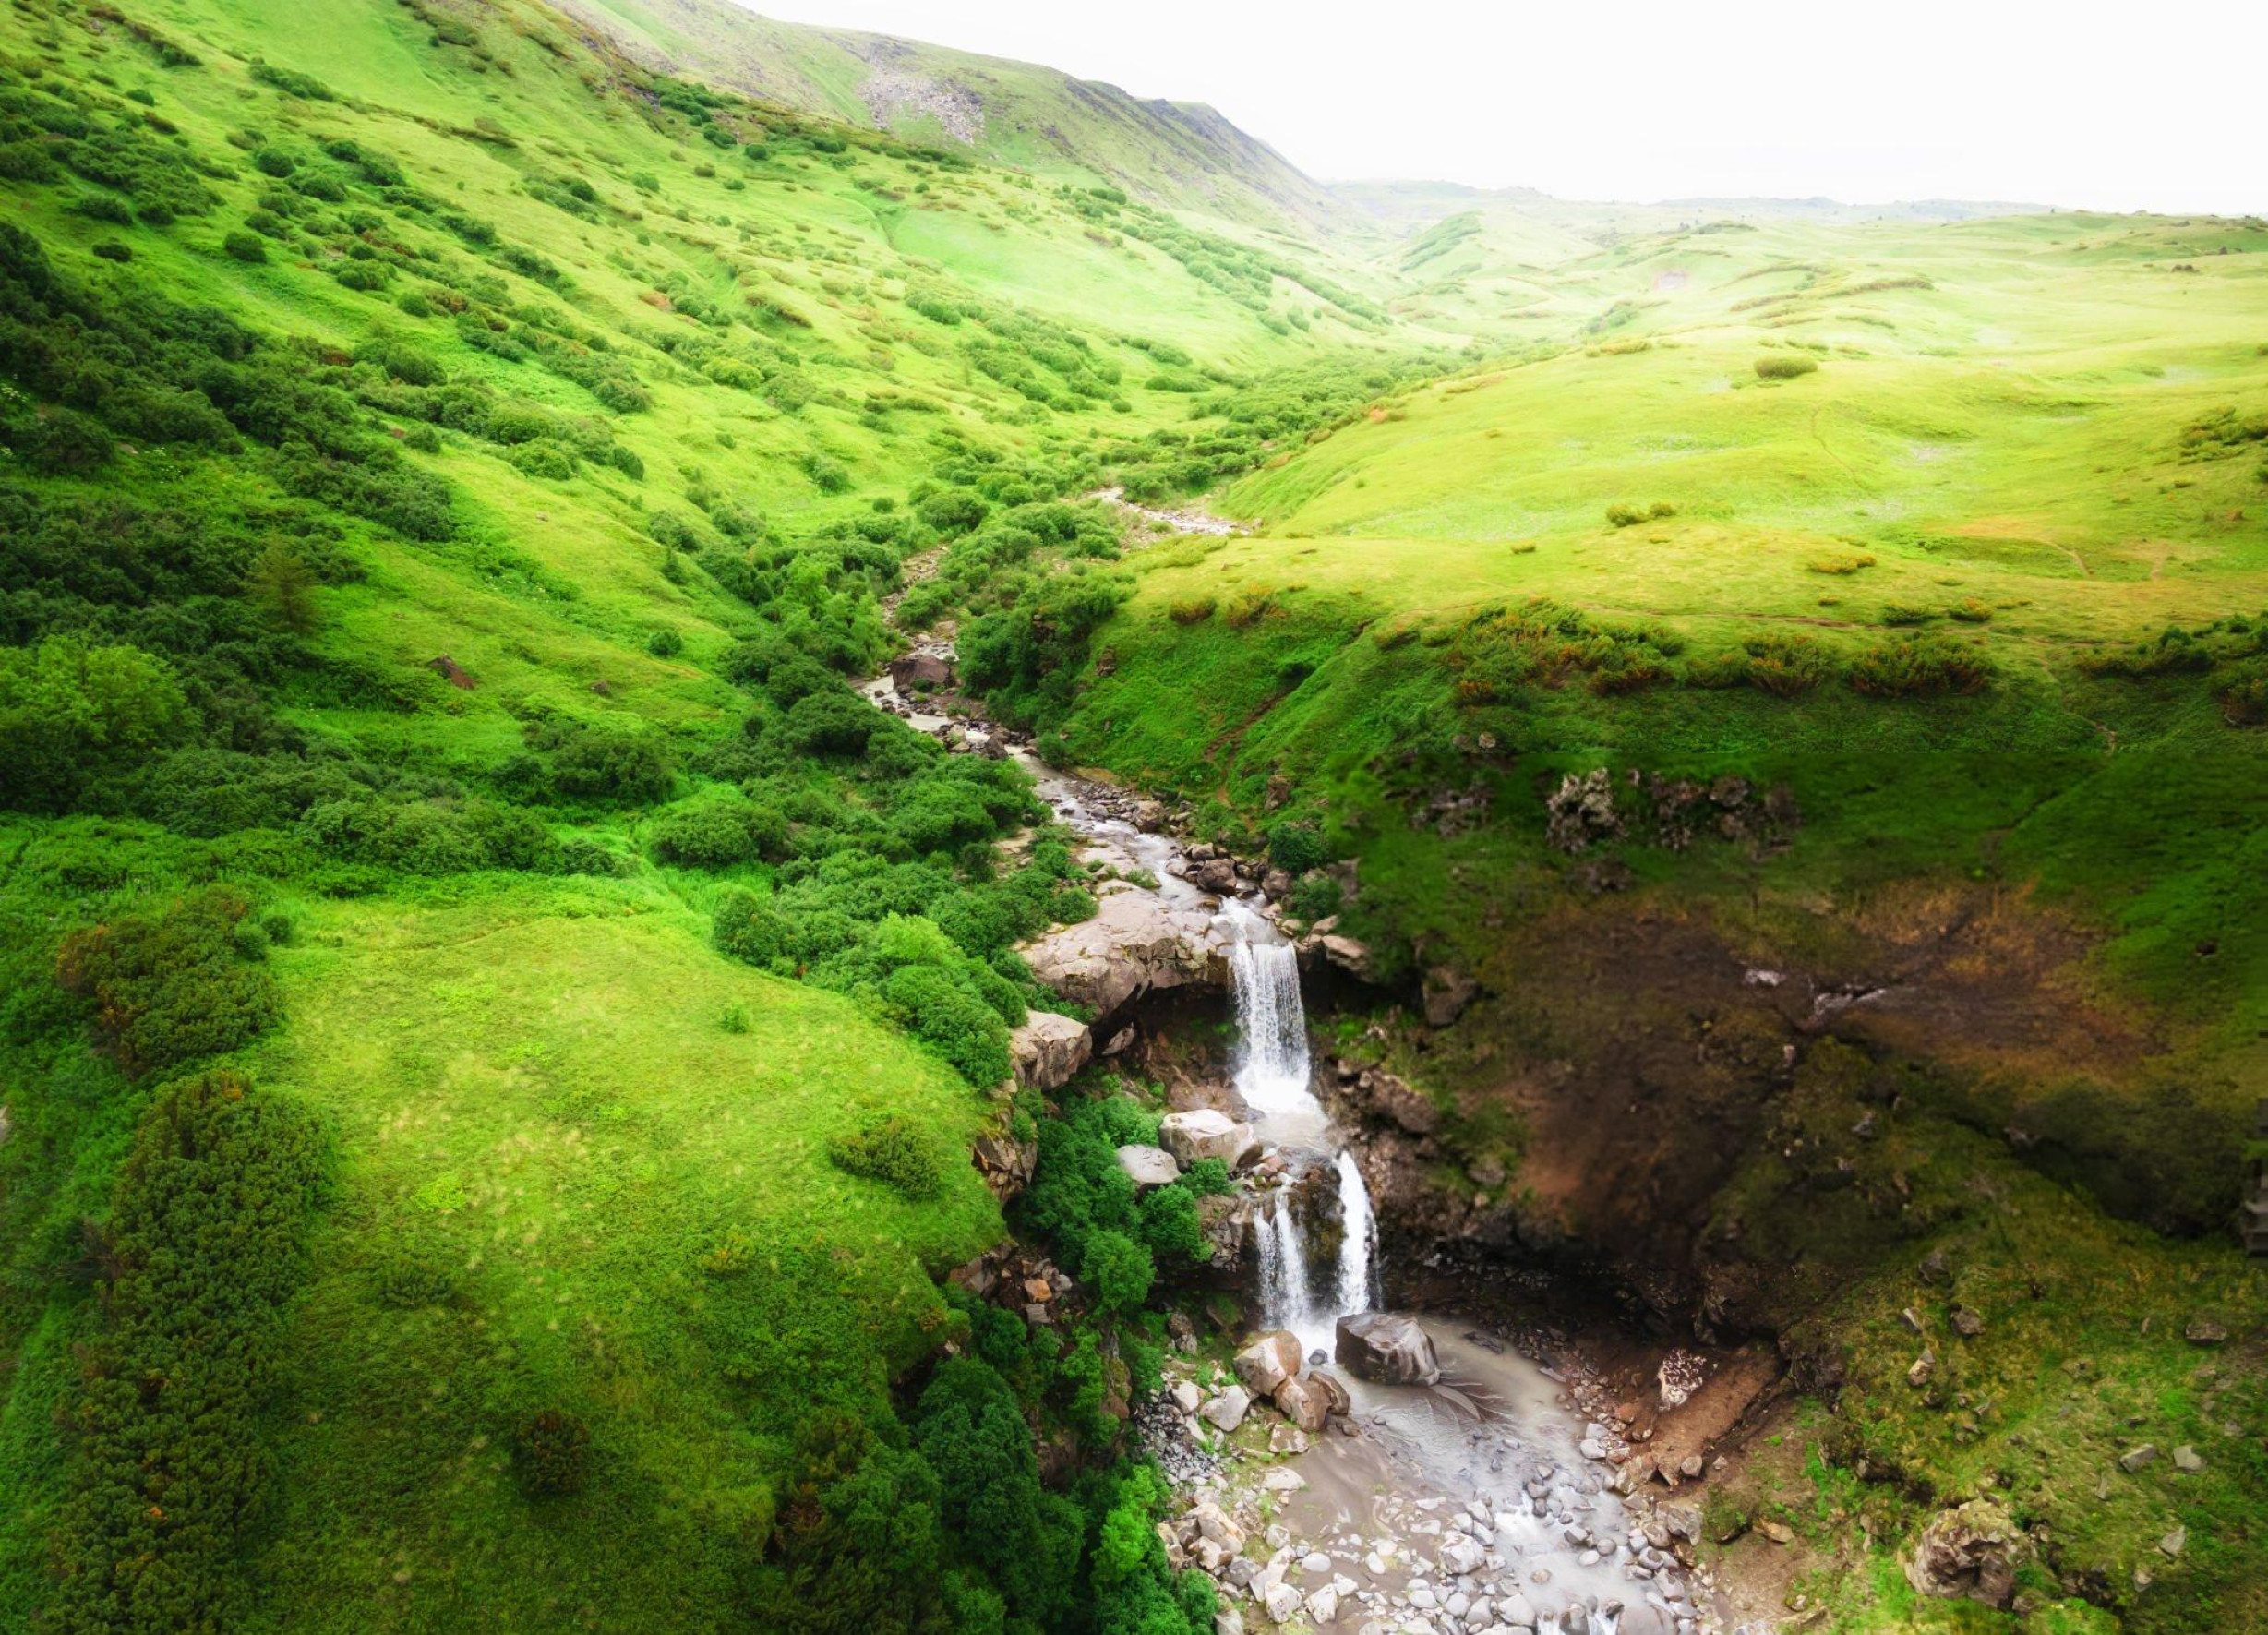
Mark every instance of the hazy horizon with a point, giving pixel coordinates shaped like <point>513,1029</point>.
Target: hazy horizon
<point>1958,103</point>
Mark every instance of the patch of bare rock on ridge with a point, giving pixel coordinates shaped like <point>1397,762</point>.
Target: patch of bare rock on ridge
<point>893,94</point>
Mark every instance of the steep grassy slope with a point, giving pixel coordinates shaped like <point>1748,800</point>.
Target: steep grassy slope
<point>450,472</point>
<point>1033,118</point>
<point>1905,589</point>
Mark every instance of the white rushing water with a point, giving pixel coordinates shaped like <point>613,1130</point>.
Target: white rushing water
<point>1273,1075</point>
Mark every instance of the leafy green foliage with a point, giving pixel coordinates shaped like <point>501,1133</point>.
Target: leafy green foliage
<point>892,1151</point>
<point>172,987</point>
<point>207,1245</point>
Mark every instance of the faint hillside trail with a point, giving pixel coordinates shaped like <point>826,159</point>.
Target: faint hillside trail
<point>1828,449</point>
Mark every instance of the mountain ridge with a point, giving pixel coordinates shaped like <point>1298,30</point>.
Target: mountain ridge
<point>1025,116</point>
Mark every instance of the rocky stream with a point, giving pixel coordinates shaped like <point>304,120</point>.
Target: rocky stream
<point>1385,1471</point>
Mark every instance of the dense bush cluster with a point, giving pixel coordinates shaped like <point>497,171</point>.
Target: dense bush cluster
<point>206,1243</point>
<point>1081,1201</point>
<point>173,986</point>
<point>1540,644</point>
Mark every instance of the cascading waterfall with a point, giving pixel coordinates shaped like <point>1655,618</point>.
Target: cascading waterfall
<point>1357,1243</point>
<point>1272,1077</point>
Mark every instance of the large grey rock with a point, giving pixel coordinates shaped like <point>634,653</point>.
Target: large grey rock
<point>1388,1348</point>
<point>920,670</point>
<point>1227,1410</point>
<point>1135,943</point>
<point>1268,1361</point>
<point>1460,1555</point>
<point>1203,1133</point>
<point>1968,1553</point>
<point>1148,1166</point>
<point>1048,1049</point>
<point>1349,955</point>
<point>1302,1402</point>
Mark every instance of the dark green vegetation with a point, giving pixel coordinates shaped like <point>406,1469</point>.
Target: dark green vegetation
<point>494,1025</point>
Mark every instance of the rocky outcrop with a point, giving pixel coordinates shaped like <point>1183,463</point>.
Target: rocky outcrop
<point>1148,1166</point>
<point>1968,1553</point>
<point>1137,944</point>
<point>1268,1361</point>
<point>1446,992</point>
<point>1386,1347</point>
<point>1203,1133</point>
<point>1005,1164</point>
<point>920,671</point>
<point>1381,1098</point>
<point>1048,1049</point>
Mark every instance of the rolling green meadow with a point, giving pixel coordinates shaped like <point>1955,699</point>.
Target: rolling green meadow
<point>492,1028</point>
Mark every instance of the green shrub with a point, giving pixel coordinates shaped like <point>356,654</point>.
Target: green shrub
<point>2242,693</point>
<point>941,1009</point>
<point>1297,847</point>
<point>664,643</point>
<point>552,1454</point>
<point>1781,365</point>
<point>245,246</point>
<point>717,834</point>
<point>1192,609</point>
<point>206,1238</point>
<point>171,988</point>
<point>891,1150</point>
<point>1919,666</point>
<point>736,1017</point>
<point>1786,666</point>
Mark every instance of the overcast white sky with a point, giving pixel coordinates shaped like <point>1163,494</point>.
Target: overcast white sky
<point>2136,106</point>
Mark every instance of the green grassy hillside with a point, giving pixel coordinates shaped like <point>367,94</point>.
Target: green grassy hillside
<point>451,471</point>
<point>491,1028</point>
<point>1020,114</point>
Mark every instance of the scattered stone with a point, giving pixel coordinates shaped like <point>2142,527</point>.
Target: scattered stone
<point>1446,992</point>
<point>1148,1166</point>
<point>1283,1480</point>
<point>1227,1410</point>
<point>1205,1132</point>
<point>1967,1553</point>
<point>2135,1458</point>
<point>1280,1602</point>
<point>1924,1366</point>
<point>1303,1402</point>
<point>2204,1330</point>
<point>1391,1349</point>
<point>1048,1049</point>
<point>1778,1531</point>
<point>2188,1458</point>
<point>1323,1605</point>
<point>2174,1543</point>
<point>1460,1555</point>
<point>1268,1362</point>
<point>1966,1323</point>
<point>1934,1269</point>
<point>1287,1439</point>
